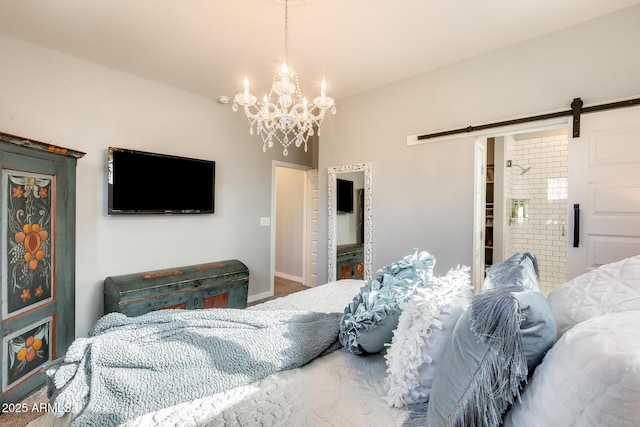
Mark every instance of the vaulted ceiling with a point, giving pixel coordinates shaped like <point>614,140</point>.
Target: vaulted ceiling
<point>207,46</point>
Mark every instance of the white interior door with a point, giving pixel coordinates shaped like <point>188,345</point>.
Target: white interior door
<point>311,270</point>
<point>604,182</point>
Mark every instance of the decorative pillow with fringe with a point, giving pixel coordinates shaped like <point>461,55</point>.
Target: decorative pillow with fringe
<point>495,343</point>
<point>519,269</point>
<point>424,327</point>
<point>369,320</point>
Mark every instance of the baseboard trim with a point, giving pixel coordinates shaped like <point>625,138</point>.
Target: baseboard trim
<point>257,297</point>
<point>289,277</point>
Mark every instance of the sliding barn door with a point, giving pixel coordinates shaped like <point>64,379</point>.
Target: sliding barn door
<point>604,190</point>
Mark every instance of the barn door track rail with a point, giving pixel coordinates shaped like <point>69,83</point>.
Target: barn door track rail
<point>575,111</point>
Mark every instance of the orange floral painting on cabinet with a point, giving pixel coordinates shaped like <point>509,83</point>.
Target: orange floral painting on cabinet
<point>27,352</point>
<point>29,252</point>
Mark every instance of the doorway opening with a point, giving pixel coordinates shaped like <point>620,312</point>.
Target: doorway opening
<point>525,203</point>
<point>293,227</point>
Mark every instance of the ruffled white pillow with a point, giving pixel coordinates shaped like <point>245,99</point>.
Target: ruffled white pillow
<point>424,327</point>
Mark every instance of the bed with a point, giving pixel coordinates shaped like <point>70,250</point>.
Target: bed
<point>337,389</point>
<point>576,362</point>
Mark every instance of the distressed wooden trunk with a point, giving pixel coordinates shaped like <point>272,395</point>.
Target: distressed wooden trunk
<point>222,284</point>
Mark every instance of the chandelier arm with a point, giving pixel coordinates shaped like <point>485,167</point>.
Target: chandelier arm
<point>250,115</point>
<point>315,118</point>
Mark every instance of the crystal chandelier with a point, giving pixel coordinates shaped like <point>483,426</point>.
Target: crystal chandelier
<point>284,115</point>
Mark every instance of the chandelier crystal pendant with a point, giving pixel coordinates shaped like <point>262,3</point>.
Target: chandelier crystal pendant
<point>284,115</point>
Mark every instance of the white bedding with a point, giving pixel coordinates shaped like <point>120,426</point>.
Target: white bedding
<point>591,376</point>
<point>610,288</point>
<point>335,390</point>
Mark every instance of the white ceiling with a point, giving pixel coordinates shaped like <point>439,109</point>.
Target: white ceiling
<point>207,46</point>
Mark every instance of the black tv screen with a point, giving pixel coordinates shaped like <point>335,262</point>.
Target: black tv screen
<point>344,190</point>
<point>151,183</point>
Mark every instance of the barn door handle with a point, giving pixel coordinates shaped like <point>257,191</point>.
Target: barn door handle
<point>576,225</point>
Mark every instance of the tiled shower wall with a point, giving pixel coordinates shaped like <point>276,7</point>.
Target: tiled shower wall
<point>544,191</point>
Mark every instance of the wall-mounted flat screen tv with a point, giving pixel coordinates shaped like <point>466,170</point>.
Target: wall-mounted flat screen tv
<point>150,183</point>
<point>344,190</point>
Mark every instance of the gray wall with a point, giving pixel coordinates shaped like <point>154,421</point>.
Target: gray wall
<point>422,195</point>
<point>53,97</point>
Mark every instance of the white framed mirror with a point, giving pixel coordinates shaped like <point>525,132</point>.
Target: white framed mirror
<point>345,232</point>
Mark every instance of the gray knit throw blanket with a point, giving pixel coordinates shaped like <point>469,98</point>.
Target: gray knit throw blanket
<point>130,366</point>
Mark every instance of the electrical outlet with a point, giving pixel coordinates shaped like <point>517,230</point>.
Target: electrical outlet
<point>265,221</point>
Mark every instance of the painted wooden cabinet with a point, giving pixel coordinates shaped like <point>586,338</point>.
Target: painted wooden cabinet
<point>222,284</point>
<point>37,266</point>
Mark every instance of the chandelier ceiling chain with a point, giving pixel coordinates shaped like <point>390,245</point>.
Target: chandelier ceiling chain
<point>284,115</point>
<point>286,30</point>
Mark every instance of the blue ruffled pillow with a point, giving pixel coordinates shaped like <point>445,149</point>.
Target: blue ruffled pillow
<point>370,319</point>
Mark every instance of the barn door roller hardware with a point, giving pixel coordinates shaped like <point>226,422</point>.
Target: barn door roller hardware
<point>576,111</point>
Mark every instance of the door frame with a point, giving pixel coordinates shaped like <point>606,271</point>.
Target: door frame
<point>480,180</point>
<point>272,269</point>
<point>479,211</point>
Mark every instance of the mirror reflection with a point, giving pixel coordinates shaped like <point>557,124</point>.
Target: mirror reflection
<point>349,199</point>
<point>350,226</point>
